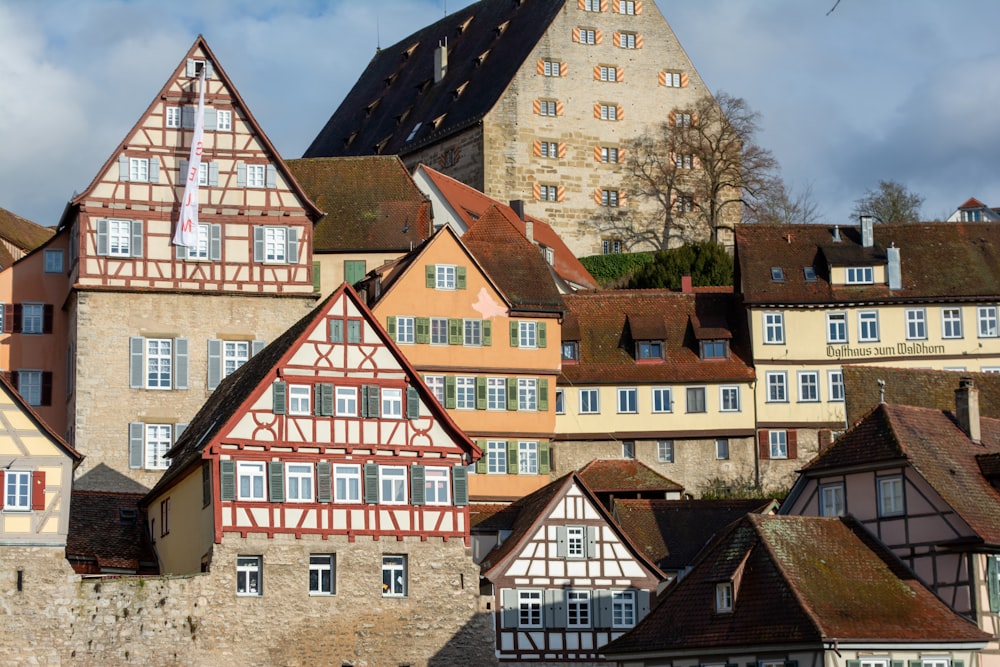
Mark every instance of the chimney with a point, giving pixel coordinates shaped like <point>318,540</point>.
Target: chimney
<point>836,233</point>
<point>686,284</point>
<point>867,222</point>
<point>895,274</point>
<point>529,227</point>
<point>440,61</point>
<point>967,408</point>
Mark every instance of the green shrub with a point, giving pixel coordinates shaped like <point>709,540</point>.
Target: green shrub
<point>707,263</point>
<point>610,270</point>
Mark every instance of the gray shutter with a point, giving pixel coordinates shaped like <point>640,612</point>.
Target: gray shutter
<point>325,399</point>
<point>189,68</point>
<point>896,663</point>
<point>592,532</point>
<point>258,244</point>
<point>102,236</point>
<point>460,486</point>
<point>276,481</point>
<point>364,402</point>
<point>181,251</point>
<point>227,480</point>
<point>179,431</point>
<point>643,603</point>
<point>180,374</point>
<point>561,546</point>
<point>209,70</point>
<point>508,608</point>
<point>603,616</point>
<point>214,363</point>
<point>215,242</point>
<point>374,407</point>
<point>292,256</point>
<point>279,396</point>
<point>154,170</point>
<point>187,117</point>
<point>271,176</point>
<point>555,608</point>
<point>853,663</point>
<point>412,403</point>
<point>241,174</point>
<point>993,581</point>
<point>256,346</point>
<point>136,247</point>
<point>182,172</point>
<point>371,483</point>
<point>211,120</point>
<point>213,173</point>
<point>136,440</point>
<point>123,172</point>
<point>336,331</point>
<point>417,489</point>
<point>136,367</point>
<point>324,478</point>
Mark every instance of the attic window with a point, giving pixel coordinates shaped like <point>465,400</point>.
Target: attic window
<point>714,349</point>
<point>371,107</point>
<point>463,25</point>
<point>649,350</point>
<point>349,139</point>
<point>548,254</point>
<point>777,274</point>
<point>860,275</point>
<point>809,273</point>
<point>381,145</point>
<point>413,132</point>
<point>424,85</point>
<point>409,51</point>
<point>403,116</point>
<point>570,351</point>
<point>461,89</point>
<point>724,597</point>
<point>501,28</point>
<point>389,80</point>
<point>482,57</point>
<point>437,121</point>
<point>127,516</point>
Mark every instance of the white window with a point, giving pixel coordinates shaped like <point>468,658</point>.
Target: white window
<point>777,386</point>
<point>986,316</point>
<point>890,496</point>
<point>665,451</point>
<point>951,322</point>
<point>626,7</point>
<point>322,574</point>
<point>223,120</point>
<point>672,79</point>
<point>589,402</point>
<point>628,450</point>
<point>608,73</point>
<point>496,393</point>
<point>473,332</point>
<point>248,576</point>
<point>32,318</point>
<point>53,260</point>
<point>578,609</point>
<point>662,399</point>
<point>404,330</point>
<point>609,154</point>
<point>729,398</point>
<point>860,275</point>
<point>551,68</point>
<point>275,245</point>
<point>836,383</point>
<point>346,483</point>
<point>836,327</point>
<point>695,399</point>
<point>392,403</point>
<point>611,246</point>
<point>138,169</point>
<point>235,353</point>
<point>609,112</point>
<point>173,117</point>
<point>682,120</point>
<point>626,40</point>
<point>159,439</point>
<point>778,441</point>
<point>298,399</point>
<point>527,334</point>
<point>436,384</point>
<point>119,238</point>
<point>808,386</point>
<point>347,401</point>
<point>724,597</point>
<point>527,394</point>
<point>722,449</point>
<point>628,400</point>
<point>496,457</point>
<point>159,360</point>
<point>548,192</point>
<point>439,331</point>
<point>256,175</point>
<point>444,277</point>
<point>592,5</point>
<point>392,483</point>
<point>588,36</point>
<point>609,198</point>
<point>29,385</point>
<point>549,149</point>
<point>394,576</point>
<point>576,544</point>
<point>529,609</point>
<point>527,458</point>
<point>831,500</point>
<point>622,609</point>
<point>17,490</point>
<point>465,393</point>
<point>916,324</point>
<point>868,326</point>
<point>547,107</point>
<point>250,476</point>
<point>774,328</point>
<point>299,482</point>
<point>436,486</point>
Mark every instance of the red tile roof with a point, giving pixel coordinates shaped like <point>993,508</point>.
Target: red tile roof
<point>371,203</point>
<point>20,233</point>
<point>796,579</point>
<point>616,475</point>
<point>972,202</point>
<point>99,537</point>
<point>606,351</point>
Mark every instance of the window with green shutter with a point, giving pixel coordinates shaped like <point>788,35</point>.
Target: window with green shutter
<point>354,270</point>
<point>512,466</point>
<point>412,403</point>
<point>540,332</point>
<point>487,333</point>
<point>993,581</point>
<point>422,326</point>
<point>417,489</point>
<point>460,486</point>
<point>449,391</point>
<point>454,331</point>
<point>430,276</point>
<point>390,326</point>
<point>371,483</point>
<point>276,481</point>
<point>515,334</point>
<point>459,277</point>
<point>227,480</point>
<point>480,393</point>
<point>279,394</point>
<point>543,457</point>
<point>512,393</point>
<point>543,395</point>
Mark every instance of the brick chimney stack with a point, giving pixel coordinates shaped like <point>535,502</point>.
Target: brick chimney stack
<point>967,408</point>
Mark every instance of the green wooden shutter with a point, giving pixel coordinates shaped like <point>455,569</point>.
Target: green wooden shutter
<point>363,407</point>
<point>412,403</point>
<point>853,663</point>
<point>317,275</point>
<point>455,331</point>
<point>136,440</point>
<point>514,334</point>
<point>449,391</point>
<point>417,488</point>
<point>227,480</point>
<point>390,326</point>
<point>371,483</point>
<point>487,333</point>
<point>543,395</point>
<point>430,275</point>
<point>422,329</point>
<point>480,393</point>
<point>542,336</point>
<point>512,393</point>
<point>324,477</point>
<point>279,394</point>
<point>374,408</point>
<point>512,467</point>
<point>459,277</point>
<point>481,468</point>
<point>543,458</point>
<point>460,486</point>
<point>325,399</point>
<point>993,581</point>
<point>276,481</point>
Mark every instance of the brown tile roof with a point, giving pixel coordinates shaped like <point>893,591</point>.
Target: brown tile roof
<point>934,445</point>
<point>100,537</point>
<point>21,233</point>
<point>939,261</point>
<point>470,204</point>
<point>511,261</point>
<point>672,532</point>
<point>395,107</point>
<point>371,203</point>
<point>606,351</point>
<point>803,579</point>
<point>492,516</point>
<point>616,475</point>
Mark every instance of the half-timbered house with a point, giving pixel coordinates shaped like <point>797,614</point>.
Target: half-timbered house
<point>323,473</point>
<point>565,579</point>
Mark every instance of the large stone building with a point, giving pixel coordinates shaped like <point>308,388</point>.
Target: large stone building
<point>531,100</point>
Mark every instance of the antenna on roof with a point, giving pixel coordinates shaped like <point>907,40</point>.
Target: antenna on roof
<point>378,34</point>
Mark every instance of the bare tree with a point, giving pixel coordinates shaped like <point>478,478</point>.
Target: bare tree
<point>779,207</point>
<point>891,202</point>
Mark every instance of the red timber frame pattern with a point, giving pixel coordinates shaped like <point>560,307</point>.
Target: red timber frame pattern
<point>263,434</point>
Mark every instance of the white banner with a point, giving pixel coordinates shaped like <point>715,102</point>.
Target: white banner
<point>186,233</point>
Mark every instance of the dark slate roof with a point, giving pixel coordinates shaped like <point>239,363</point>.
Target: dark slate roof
<point>673,532</point>
<point>487,44</point>
<point>511,261</point>
<point>911,386</point>
<point>933,444</point>
<point>100,536</point>
<point>617,475</point>
<point>804,579</point>
<point>607,352</point>
<point>21,233</point>
<point>939,261</point>
<point>371,203</point>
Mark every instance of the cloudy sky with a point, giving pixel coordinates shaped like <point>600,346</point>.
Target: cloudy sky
<point>907,90</point>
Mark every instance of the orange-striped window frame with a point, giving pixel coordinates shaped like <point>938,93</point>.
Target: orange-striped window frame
<point>628,40</point>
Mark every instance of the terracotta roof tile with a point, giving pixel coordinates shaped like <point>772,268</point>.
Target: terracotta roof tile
<point>616,475</point>
<point>22,234</point>
<point>99,535</point>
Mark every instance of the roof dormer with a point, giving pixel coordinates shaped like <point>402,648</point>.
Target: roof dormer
<point>648,334</point>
